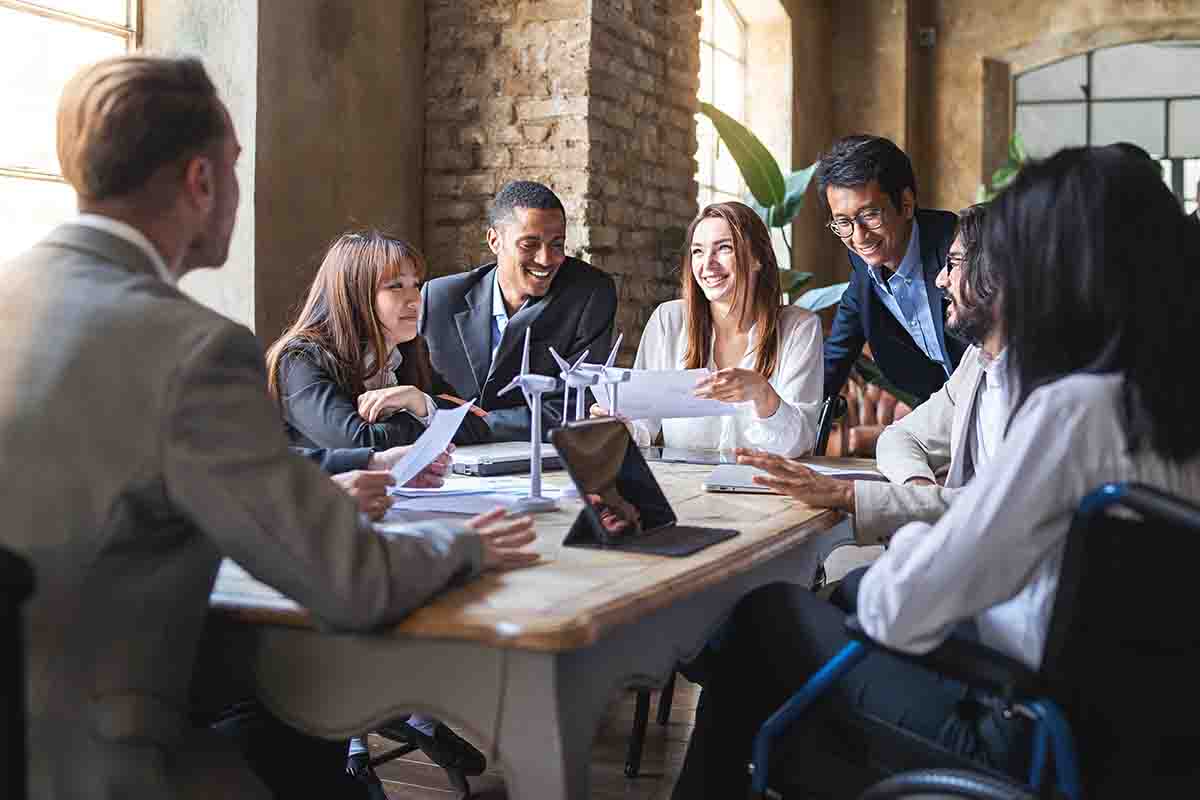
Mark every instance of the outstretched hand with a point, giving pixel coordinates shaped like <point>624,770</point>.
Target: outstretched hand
<point>505,539</point>
<point>798,481</point>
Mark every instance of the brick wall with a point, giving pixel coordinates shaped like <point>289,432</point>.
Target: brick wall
<point>594,98</point>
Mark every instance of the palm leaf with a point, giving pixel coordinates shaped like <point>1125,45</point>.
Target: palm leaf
<point>817,299</point>
<point>871,373</point>
<point>762,175</point>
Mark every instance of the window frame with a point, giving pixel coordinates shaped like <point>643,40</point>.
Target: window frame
<point>708,192</point>
<point>1173,166</point>
<point>131,32</point>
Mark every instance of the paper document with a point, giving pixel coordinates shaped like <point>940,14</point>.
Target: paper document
<point>662,394</point>
<point>433,442</point>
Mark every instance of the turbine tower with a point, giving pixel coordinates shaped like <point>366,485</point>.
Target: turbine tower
<point>533,387</point>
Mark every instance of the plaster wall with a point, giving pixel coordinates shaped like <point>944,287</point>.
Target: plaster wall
<point>812,130</point>
<point>339,136</point>
<point>225,37</point>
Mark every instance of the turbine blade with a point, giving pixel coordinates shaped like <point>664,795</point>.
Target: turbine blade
<point>612,356</point>
<point>514,383</point>
<point>562,362</point>
<point>579,361</point>
<point>525,355</point>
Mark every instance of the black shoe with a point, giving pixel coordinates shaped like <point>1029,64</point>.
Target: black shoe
<point>358,766</point>
<point>445,748</point>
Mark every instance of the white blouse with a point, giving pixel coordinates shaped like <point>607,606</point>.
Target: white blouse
<point>798,379</point>
<point>995,555</point>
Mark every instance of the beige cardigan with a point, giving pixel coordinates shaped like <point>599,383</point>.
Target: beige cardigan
<point>934,435</point>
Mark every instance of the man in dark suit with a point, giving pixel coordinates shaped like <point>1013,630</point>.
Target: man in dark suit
<point>866,185</point>
<point>475,322</point>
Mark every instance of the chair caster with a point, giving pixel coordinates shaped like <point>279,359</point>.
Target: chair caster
<point>631,771</point>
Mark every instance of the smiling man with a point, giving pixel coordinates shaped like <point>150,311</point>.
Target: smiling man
<point>955,432</point>
<point>475,322</point>
<point>867,187</point>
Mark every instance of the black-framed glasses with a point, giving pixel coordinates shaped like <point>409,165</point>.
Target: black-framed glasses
<point>869,218</point>
<point>954,261</point>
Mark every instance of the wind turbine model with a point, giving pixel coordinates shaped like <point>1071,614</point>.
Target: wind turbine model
<point>613,376</point>
<point>533,387</point>
<point>574,378</point>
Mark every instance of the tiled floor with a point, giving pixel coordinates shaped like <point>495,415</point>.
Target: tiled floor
<point>414,778</point>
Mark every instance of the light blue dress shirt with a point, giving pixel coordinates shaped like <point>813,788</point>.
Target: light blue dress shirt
<point>906,297</point>
<point>499,315</point>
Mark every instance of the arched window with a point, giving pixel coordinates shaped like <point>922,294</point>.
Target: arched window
<point>722,83</point>
<point>42,44</point>
<point>1147,94</point>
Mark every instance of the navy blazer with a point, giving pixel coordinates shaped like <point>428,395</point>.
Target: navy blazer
<point>862,317</point>
<point>456,320</point>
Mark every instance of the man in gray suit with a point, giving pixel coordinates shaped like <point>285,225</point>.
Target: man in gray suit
<point>957,429</point>
<point>138,447</point>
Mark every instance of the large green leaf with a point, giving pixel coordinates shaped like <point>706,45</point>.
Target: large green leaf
<point>817,299</point>
<point>871,373</point>
<point>790,280</point>
<point>1016,149</point>
<point>796,186</point>
<point>762,175</point>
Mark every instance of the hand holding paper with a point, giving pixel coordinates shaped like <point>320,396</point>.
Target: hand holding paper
<point>665,394</point>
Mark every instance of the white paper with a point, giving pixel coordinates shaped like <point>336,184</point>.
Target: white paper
<point>433,443</point>
<point>663,394</point>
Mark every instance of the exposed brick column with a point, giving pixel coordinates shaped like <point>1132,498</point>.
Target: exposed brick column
<point>594,98</point>
<point>644,78</point>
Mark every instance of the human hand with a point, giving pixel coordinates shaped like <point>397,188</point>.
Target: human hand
<point>503,538</point>
<point>369,488</point>
<point>432,477</point>
<point>798,481</point>
<point>377,404</point>
<point>738,385</point>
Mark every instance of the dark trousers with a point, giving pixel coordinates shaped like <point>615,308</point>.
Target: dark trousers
<point>778,637</point>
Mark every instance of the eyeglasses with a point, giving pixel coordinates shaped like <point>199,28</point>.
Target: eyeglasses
<point>869,218</point>
<point>953,262</point>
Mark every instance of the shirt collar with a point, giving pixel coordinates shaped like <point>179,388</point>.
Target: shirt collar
<point>995,370</point>
<point>498,307</point>
<point>911,260</point>
<point>128,233</point>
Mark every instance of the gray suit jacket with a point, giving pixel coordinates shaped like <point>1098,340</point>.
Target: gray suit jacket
<point>137,447</point>
<point>934,435</point>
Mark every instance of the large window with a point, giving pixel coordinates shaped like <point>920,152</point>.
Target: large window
<point>41,45</point>
<point>1146,94</point>
<point>722,83</point>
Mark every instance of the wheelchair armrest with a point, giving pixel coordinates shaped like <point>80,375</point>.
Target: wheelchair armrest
<point>965,660</point>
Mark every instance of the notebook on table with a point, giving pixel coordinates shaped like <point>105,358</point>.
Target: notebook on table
<point>500,458</point>
<point>624,506</point>
<point>740,477</point>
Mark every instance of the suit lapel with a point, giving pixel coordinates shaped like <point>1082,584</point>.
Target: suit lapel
<point>931,263</point>
<point>475,328</point>
<point>962,468</point>
<point>513,342</point>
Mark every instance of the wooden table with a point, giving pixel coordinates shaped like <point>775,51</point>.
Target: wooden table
<point>526,661</point>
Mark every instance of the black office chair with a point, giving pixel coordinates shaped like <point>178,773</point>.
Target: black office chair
<point>1115,704</point>
<point>16,585</point>
<point>832,409</point>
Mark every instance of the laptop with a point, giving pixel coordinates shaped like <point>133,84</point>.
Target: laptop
<point>500,458</point>
<point>740,477</point>
<point>624,506</point>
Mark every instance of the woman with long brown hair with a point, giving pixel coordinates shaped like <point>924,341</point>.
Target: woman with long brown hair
<point>351,371</point>
<point>729,321</point>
